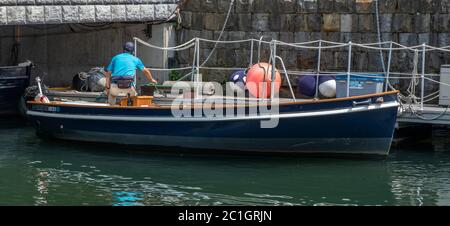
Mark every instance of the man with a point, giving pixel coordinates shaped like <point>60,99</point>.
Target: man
<point>121,74</point>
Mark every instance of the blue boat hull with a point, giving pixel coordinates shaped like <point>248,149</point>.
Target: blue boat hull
<point>322,128</point>
<point>13,82</point>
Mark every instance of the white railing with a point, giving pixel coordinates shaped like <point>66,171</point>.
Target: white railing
<point>318,45</point>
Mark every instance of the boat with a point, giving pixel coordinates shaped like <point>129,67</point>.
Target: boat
<point>261,123</point>
<point>13,82</point>
<point>361,125</point>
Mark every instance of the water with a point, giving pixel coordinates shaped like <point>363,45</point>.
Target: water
<point>37,172</point>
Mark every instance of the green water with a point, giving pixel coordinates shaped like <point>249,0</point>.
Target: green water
<point>37,172</point>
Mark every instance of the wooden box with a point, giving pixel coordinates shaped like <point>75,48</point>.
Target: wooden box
<point>138,101</point>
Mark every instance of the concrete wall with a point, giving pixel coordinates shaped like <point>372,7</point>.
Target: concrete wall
<point>61,51</point>
<point>405,21</point>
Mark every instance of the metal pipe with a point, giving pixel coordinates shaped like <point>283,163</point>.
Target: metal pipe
<point>197,79</point>
<point>135,47</point>
<point>194,60</point>
<point>318,68</point>
<point>287,78</point>
<point>251,54</point>
<point>388,70</point>
<point>424,48</point>
<point>274,75</point>
<point>349,68</point>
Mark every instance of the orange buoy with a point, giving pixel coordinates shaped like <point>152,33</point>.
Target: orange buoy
<point>260,76</point>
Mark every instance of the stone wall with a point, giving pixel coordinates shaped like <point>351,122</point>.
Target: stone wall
<point>409,22</point>
<point>18,12</point>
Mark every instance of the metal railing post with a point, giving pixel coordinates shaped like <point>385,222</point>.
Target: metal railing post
<point>422,92</point>
<point>135,47</point>
<point>251,53</point>
<point>197,76</point>
<point>194,60</point>
<point>388,70</point>
<point>349,68</point>
<point>274,75</point>
<point>318,68</point>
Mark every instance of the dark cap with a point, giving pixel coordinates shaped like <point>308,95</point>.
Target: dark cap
<point>129,47</point>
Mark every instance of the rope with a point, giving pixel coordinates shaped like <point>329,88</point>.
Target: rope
<point>221,32</point>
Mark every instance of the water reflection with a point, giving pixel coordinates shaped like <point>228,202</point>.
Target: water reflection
<point>36,172</point>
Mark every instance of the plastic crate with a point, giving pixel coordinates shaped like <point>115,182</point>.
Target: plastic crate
<point>360,84</point>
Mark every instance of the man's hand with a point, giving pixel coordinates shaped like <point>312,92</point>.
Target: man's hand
<point>149,75</point>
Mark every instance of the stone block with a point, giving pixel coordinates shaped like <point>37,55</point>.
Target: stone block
<point>70,14</point>
<point>194,6</point>
<point>343,6</point>
<point>424,38</point>
<point>209,6</point>
<point>331,22</point>
<point>148,13</point>
<point>197,21</point>
<point>275,22</point>
<point>301,37</point>
<point>186,19</point>
<point>287,22</point>
<point>260,22</point>
<point>348,23</point>
<point>243,58</point>
<point>44,2</point>
<point>224,5</point>
<point>245,6</point>
<point>422,23</point>
<point>441,23</point>
<point>364,6</point>
<point>265,6</point>
<point>300,23</point>
<point>133,12</point>
<point>16,14</point>
<point>61,2</point>
<point>428,6</point>
<point>340,60</point>
<point>307,60</point>
<point>402,23</point>
<point>8,2</point>
<point>314,22</point>
<point>444,7</point>
<point>118,12</point>
<point>161,12</point>
<point>232,24</point>
<point>35,14</point>
<point>287,6</point>
<point>103,13</point>
<point>408,39</point>
<point>86,13</point>
<point>307,6</point>
<point>26,2</point>
<point>53,14</point>
<point>226,57</point>
<point>366,23</point>
<point>244,22</point>
<point>386,22</point>
<point>387,6</point>
<point>325,6</point>
<point>405,6</point>
<point>3,17</point>
<point>360,61</point>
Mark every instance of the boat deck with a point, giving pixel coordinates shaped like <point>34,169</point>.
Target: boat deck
<point>431,114</point>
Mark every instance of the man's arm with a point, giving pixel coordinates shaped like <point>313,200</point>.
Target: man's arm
<point>149,75</point>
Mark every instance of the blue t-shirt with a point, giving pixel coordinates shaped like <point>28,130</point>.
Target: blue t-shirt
<point>125,64</point>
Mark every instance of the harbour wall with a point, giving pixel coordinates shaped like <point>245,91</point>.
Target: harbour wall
<point>404,21</point>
